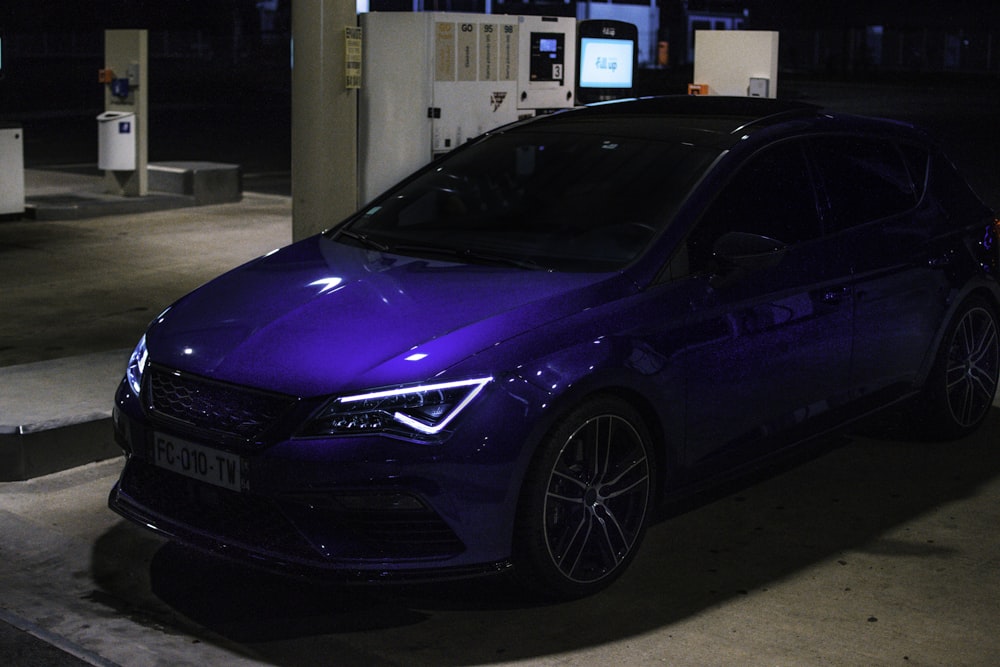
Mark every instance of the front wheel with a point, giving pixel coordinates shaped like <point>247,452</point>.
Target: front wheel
<point>585,502</point>
<point>963,382</point>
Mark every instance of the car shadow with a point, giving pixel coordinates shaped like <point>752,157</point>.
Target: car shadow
<point>735,541</point>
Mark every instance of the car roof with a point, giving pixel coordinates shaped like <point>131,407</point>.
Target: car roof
<point>715,121</point>
<point>739,110</point>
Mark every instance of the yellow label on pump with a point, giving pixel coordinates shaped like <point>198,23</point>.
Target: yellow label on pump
<point>352,57</point>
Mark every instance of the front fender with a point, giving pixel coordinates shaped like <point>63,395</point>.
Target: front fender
<point>623,366</point>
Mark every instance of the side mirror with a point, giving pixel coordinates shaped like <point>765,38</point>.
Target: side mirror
<point>750,252</point>
<point>740,253</point>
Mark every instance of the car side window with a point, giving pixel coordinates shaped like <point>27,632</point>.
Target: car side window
<point>771,195</point>
<point>948,190</point>
<point>862,180</point>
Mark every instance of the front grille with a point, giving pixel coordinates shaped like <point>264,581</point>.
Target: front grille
<point>286,529</point>
<point>224,515</point>
<point>414,536</point>
<point>368,534</point>
<point>211,406</point>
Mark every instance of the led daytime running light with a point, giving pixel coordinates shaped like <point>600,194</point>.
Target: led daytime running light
<point>476,386</point>
<point>136,366</point>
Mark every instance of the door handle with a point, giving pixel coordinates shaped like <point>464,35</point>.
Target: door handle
<point>941,261</point>
<point>836,295</point>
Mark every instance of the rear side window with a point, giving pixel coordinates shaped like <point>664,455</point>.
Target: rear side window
<point>862,180</point>
<point>951,193</point>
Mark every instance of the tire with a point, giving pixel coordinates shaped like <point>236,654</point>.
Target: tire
<point>963,381</point>
<point>585,502</point>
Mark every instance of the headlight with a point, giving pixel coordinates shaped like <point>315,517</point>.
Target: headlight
<point>420,410</point>
<point>136,365</point>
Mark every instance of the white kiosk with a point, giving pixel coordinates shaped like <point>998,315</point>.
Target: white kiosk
<point>737,62</point>
<point>12,164</point>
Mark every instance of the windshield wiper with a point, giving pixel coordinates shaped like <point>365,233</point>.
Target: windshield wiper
<point>362,239</point>
<point>519,262</point>
<point>469,254</point>
<point>460,253</point>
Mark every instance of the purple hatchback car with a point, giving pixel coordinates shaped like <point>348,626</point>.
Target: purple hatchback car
<point>513,358</point>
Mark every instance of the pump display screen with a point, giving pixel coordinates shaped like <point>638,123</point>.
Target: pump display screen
<point>606,63</point>
<point>547,56</point>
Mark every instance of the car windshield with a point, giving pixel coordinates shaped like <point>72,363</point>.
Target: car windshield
<point>567,201</point>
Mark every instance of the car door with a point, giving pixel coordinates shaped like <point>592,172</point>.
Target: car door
<point>870,189</point>
<point>765,344</point>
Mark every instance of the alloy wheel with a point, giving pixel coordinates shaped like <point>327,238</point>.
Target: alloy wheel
<point>597,498</point>
<point>972,366</point>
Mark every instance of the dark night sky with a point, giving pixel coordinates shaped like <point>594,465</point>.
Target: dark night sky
<point>890,13</point>
<point>59,15</point>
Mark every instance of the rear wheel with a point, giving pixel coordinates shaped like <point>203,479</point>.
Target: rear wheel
<point>586,501</point>
<point>962,384</point>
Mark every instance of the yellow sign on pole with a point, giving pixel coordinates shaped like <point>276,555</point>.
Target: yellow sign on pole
<point>352,57</point>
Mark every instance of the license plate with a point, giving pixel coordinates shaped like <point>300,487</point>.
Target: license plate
<point>209,465</point>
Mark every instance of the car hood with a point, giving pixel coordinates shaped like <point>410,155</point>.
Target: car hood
<point>320,316</point>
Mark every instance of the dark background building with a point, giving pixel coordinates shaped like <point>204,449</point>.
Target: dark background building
<point>227,62</point>
<point>201,49</point>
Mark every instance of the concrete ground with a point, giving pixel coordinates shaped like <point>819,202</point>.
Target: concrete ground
<point>872,551</point>
<point>877,552</point>
<point>77,293</point>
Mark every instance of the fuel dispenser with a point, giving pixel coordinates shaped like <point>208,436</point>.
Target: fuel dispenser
<point>548,64</point>
<point>433,80</point>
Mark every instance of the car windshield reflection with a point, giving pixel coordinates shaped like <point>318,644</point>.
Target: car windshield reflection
<point>562,201</point>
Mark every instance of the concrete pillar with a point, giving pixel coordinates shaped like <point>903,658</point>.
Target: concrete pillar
<point>126,53</point>
<point>324,117</point>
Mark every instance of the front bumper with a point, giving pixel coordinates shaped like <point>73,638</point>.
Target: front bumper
<point>257,532</point>
<point>367,508</point>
